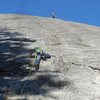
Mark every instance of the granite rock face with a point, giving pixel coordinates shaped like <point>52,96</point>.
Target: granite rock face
<point>73,72</point>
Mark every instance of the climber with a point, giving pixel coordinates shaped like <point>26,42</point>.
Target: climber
<point>38,54</point>
<point>53,15</point>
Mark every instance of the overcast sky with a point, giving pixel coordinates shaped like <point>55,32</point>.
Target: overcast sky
<point>83,11</point>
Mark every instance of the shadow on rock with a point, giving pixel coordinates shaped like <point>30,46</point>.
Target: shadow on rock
<point>13,51</point>
<point>40,85</point>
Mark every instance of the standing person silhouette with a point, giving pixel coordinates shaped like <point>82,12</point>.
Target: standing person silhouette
<point>53,15</point>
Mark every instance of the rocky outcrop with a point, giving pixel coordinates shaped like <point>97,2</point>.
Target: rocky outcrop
<point>73,72</point>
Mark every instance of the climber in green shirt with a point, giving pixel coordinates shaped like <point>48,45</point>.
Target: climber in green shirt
<point>38,55</point>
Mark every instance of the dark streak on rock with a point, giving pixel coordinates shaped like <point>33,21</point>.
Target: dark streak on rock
<point>94,68</point>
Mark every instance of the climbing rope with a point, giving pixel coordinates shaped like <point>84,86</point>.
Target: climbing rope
<point>22,90</point>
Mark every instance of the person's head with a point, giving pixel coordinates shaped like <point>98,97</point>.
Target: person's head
<point>38,52</point>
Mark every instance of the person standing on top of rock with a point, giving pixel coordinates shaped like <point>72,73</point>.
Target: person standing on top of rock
<point>38,54</point>
<point>53,15</point>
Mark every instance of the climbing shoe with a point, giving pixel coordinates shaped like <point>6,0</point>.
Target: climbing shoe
<point>37,67</point>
